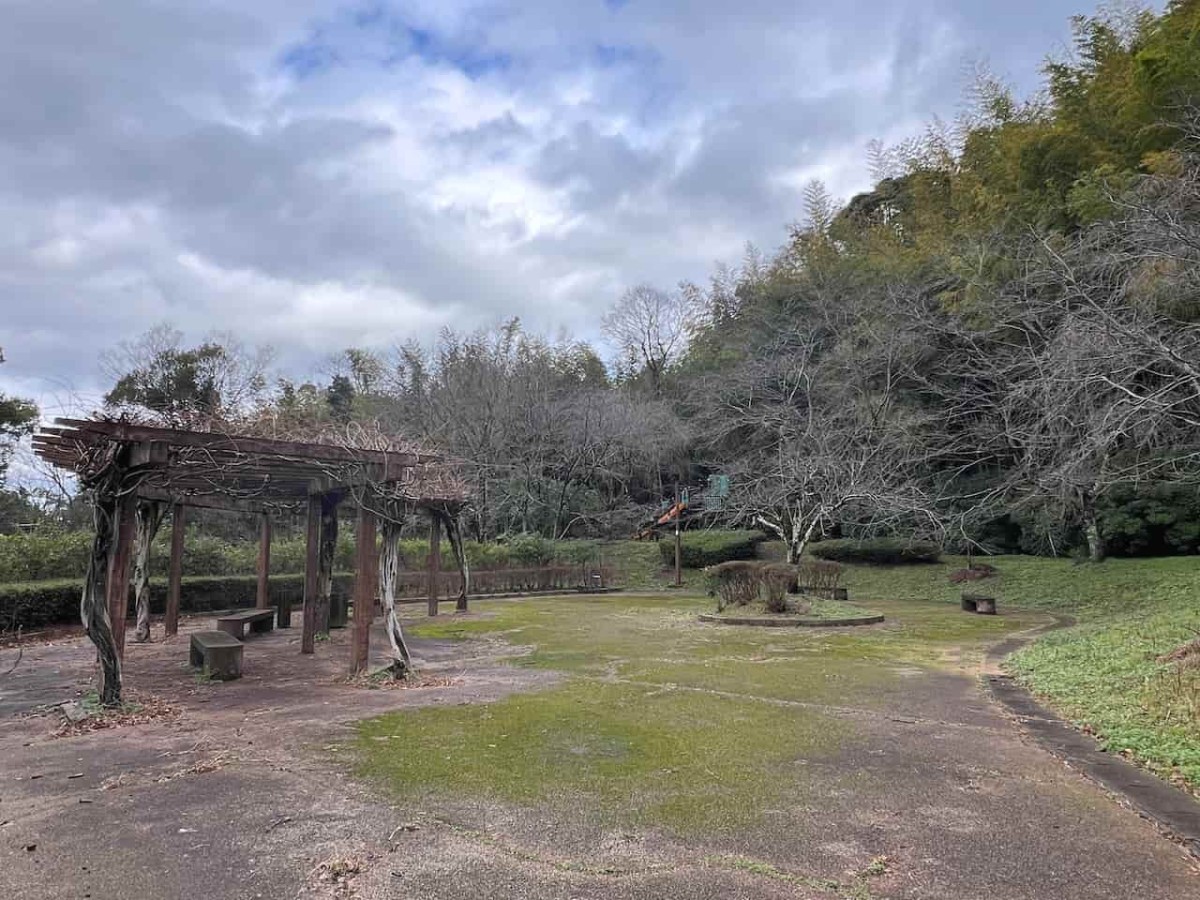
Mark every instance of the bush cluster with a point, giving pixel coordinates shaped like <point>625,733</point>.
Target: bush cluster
<point>820,576</point>
<point>743,582</point>
<point>50,555</point>
<point>702,549</point>
<point>35,605</point>
<point>877,551</point>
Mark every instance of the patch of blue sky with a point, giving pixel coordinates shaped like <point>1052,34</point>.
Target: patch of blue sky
<point>309,58</point>
<point>376,33</point>
<point>622,54</point>
<point>474,62</point>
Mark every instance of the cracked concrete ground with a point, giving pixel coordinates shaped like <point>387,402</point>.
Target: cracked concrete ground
<point>245,793</point>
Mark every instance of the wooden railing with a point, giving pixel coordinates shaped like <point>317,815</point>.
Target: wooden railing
<point>484,582</point>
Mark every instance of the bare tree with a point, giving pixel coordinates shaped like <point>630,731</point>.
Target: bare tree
<point>812,432</point>
<point>650,329</point>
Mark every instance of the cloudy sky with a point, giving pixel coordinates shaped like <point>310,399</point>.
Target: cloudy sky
<point>319,175</point>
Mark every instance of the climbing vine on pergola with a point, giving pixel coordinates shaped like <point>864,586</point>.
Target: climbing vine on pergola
<point>134,472</point>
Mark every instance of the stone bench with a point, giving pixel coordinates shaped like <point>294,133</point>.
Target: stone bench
<point>217,654</point>
<point>976,603</point>
<point>259,620</point>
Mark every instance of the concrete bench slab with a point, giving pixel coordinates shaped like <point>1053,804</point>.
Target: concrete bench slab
<point>217,654</point>
<point>259,620</point>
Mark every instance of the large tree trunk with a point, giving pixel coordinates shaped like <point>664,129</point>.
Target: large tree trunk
<point>389,571</point>
<point>149,516</point>
<point>1097,549</point>
<point>93,607</point>
<point>799,540</point>
<point>329,534</point>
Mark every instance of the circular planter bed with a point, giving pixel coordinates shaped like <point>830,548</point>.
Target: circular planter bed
<point>824,614</point>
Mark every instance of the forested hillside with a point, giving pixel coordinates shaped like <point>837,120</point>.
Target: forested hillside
<point>997,346</point>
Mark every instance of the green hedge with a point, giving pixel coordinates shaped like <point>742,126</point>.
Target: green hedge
<point>37,604</point>
<point>878,551</point>
<point>710,548</point>
<point>48,555</point>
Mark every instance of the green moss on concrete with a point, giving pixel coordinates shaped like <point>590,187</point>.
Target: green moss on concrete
<point>664,720</point>
<point>636,755</point>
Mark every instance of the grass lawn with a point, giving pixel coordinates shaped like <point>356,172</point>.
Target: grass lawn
<point>662,721</point>
<point>1104,673</point>
<point>702,730</point>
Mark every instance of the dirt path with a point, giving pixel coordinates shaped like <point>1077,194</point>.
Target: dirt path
<point>244,794</point>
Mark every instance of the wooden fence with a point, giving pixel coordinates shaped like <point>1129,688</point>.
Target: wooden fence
<point>484,582</point>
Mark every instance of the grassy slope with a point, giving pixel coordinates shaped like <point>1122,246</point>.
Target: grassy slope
<point>1104,673</point>
<point>634,735</point>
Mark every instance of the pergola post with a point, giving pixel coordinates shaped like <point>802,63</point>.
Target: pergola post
<point>175,571</point>
<point>118,571</point>
<point>329,533</point>
<point>263,599</point>
<point>435,561</point>
<point>366,573</point>
<point>312,553</point>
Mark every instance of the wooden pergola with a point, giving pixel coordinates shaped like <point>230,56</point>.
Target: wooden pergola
<point>135,471</point>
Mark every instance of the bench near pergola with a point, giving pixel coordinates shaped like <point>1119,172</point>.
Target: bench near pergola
<point>134,471</point>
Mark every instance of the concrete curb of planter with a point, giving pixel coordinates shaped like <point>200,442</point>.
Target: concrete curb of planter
<point>799,622</point>
<point>1172,810</point>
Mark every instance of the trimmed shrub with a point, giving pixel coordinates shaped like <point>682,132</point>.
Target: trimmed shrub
<point>734,583</point>
<point>818,575</point>
<point>776,580</point>
<point>702,549</point>
<point>42,603</point>
<point>878,551</point>
<point>530,550</point>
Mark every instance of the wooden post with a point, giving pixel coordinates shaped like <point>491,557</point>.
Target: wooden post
<point>312,553</point>
<point>435,561</point>
<point>678,541</point>
<point>175,572</point>
<point>329,532</point>
<point>366,574</point>
<point>263,600</point>
<point>118,571</point>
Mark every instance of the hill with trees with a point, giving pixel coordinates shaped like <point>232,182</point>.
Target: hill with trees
<point>998,345</point>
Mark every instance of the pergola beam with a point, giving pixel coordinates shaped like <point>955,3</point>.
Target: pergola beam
<point>213,501</point>
<point>127,431</point>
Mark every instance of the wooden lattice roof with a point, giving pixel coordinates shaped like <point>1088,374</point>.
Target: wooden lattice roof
<point>224,470</point>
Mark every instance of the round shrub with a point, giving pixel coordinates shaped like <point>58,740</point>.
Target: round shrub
<point>734,583</point>
<point>702,549</point>
<point>776,581</point>
<point>818,575</point>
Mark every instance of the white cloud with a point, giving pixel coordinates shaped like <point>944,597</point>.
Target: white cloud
<point>315,175</point>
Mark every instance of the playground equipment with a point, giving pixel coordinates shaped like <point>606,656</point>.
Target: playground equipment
<point>687,504</point>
